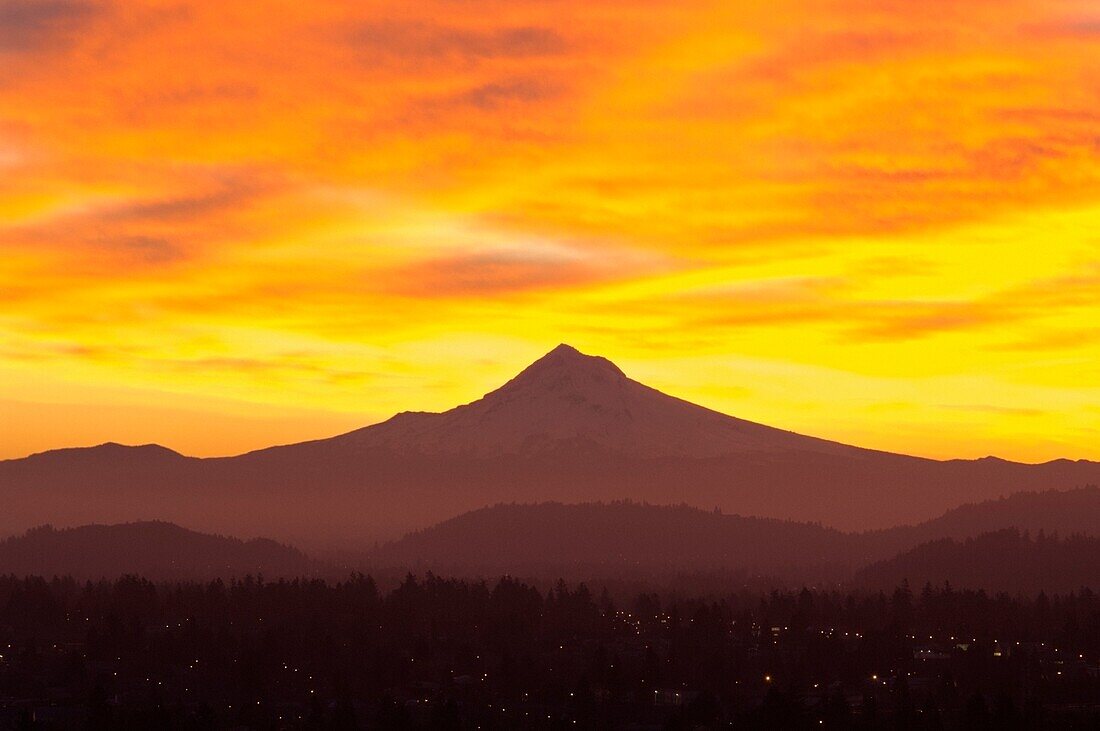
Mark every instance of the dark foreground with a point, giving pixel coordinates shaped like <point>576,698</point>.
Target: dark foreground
<point>436,653</point>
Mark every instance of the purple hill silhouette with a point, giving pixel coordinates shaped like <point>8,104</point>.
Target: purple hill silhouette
<point>152,549</point>
<point>628,538</point>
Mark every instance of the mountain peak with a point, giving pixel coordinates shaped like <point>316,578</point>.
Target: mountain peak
<point>567,400</point>
<point>565,348</point>
<point>565,359</point>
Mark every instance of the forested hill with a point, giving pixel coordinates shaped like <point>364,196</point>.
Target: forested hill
<point>605,538</point>
<point>1006,560</point>
<point>154,550</point>
<point>621,536</point>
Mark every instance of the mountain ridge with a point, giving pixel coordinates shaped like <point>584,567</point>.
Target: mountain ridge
<point>569,427</point>
<point>561,353</point>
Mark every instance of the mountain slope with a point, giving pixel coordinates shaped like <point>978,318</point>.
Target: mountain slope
<point>155,550</point>
<point>570,428</point>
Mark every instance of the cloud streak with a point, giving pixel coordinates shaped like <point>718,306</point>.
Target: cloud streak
<point>38,25</point>
<point>421,41</point>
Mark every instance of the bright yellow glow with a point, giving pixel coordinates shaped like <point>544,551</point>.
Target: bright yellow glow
<point>224,225</point>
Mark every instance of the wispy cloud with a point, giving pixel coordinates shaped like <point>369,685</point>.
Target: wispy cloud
<point>421,41</point>
<point>33,25</point>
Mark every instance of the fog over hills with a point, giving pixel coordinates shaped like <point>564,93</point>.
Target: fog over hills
<point>620,540</point>
<point>570,428</point>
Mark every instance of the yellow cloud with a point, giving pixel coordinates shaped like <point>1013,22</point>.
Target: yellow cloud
<point>799,212</point>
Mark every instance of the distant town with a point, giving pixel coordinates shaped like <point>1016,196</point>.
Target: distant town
<point>436,653</point>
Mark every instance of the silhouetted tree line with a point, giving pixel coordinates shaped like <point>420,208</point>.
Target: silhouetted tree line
<point>445,653</point>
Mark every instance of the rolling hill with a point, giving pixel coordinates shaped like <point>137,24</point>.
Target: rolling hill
<point>1000,561</point>
<point>154,550</point>
<point>1066,512</point>
<point>622,538</point>
<point>570,428</point>
<point>625,537</point>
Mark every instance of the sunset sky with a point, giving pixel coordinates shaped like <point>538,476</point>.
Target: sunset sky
<point>226,225</point>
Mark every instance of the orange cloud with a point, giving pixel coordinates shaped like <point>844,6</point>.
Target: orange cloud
<point>41,25</point>
<point>362,208</point>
